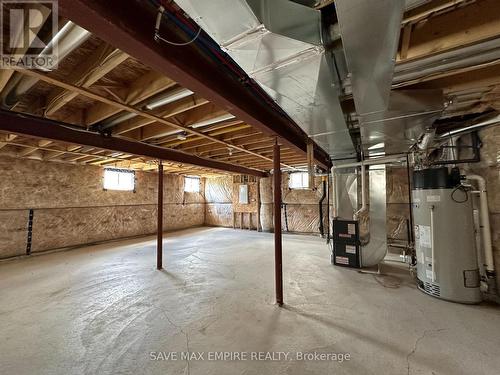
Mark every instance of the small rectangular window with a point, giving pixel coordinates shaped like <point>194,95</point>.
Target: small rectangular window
<point>299,180</point>
<point>119,179</point>
<point>192,184</point>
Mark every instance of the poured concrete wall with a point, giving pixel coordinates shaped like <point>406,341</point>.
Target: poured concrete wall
<point>71,208</point>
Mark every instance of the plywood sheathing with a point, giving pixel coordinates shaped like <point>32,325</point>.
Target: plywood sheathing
<point>71,208</point>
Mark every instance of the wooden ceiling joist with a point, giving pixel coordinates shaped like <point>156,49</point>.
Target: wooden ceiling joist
<point>171,110</point>
<point>47,129</point>
<point>119,106</point>
<point>100,63</point>
<point>129,29</point>
<point>141,89</point>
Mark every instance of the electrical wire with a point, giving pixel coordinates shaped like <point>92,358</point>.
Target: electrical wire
<point>464,190</point>
<point>158,37</point>
<point>212,49</point>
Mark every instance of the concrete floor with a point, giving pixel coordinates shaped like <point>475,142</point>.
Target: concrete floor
<point>103,309</point>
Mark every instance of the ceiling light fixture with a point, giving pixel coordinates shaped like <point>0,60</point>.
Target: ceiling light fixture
<point>168,97</point>
<point>213,120</point>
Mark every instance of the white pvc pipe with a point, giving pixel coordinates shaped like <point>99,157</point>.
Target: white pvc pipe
<point>484,222</point>
<point>374,161</point>
<point>364,204</point>
<point>335,182</point>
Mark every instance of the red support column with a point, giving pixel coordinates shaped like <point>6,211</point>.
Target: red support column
<point>159,245</point>
<point>278,271</point>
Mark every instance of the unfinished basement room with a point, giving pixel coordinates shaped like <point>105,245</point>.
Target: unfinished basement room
<point>249,187</point>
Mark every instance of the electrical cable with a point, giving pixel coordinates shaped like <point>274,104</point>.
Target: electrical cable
<point>464,190</point>
<point>286,217</point>
<point>157,36</point>
<point>210,47</point>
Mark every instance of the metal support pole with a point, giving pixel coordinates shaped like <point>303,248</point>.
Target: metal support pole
<point>277,225</point>
<point>159,245</point>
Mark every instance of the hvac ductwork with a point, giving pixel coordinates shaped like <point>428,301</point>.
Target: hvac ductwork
<point>372,216</point>
<point>370,36</point>
<point>280,44</point>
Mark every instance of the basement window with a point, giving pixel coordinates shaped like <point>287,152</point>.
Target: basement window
<point>299,180</point>
<point>119,179</point>
<point>192,184</point>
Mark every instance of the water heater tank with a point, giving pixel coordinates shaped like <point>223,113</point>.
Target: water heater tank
<point>447,264</point>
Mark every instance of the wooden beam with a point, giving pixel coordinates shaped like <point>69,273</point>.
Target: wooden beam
<point>405,41</point>
<point>310,164</point>
<point>89,71</point>
<point>171,110</point>
<point>144,87</point>
<point>44,143</point>
<point>130,29</point>
<point>28,151</point>
<point>203,113</point>
<point>466,25</point>
<point>479,78</point>
<point>424,11</point>
<point>47,129</point>
<point>125,107</point>
<point>5,75</point>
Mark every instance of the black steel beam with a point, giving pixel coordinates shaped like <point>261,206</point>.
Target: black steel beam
<point>130,26</point>
<point>32,126</point>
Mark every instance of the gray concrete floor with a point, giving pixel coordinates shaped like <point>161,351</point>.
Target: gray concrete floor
<point>103,309</point>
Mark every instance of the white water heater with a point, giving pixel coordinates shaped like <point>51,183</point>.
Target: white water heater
<point>447,265</point>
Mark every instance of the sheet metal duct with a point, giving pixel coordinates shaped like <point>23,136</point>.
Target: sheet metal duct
<point>375,250</point>
<point>458,58</point>
<point>370,35</point>
<point>279,44</point>
<point>409,114</point>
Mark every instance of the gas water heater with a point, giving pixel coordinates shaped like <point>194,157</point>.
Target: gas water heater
<point>447,265</point>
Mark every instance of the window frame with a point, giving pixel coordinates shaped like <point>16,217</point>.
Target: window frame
<point>119,170</point>
<point>192,178</point>
<point>304,183</point>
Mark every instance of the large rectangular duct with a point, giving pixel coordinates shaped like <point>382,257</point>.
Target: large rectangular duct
<point>279,44</point>
<point>370,36</point>
<point>409,113</point>
<point>389,121</point>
